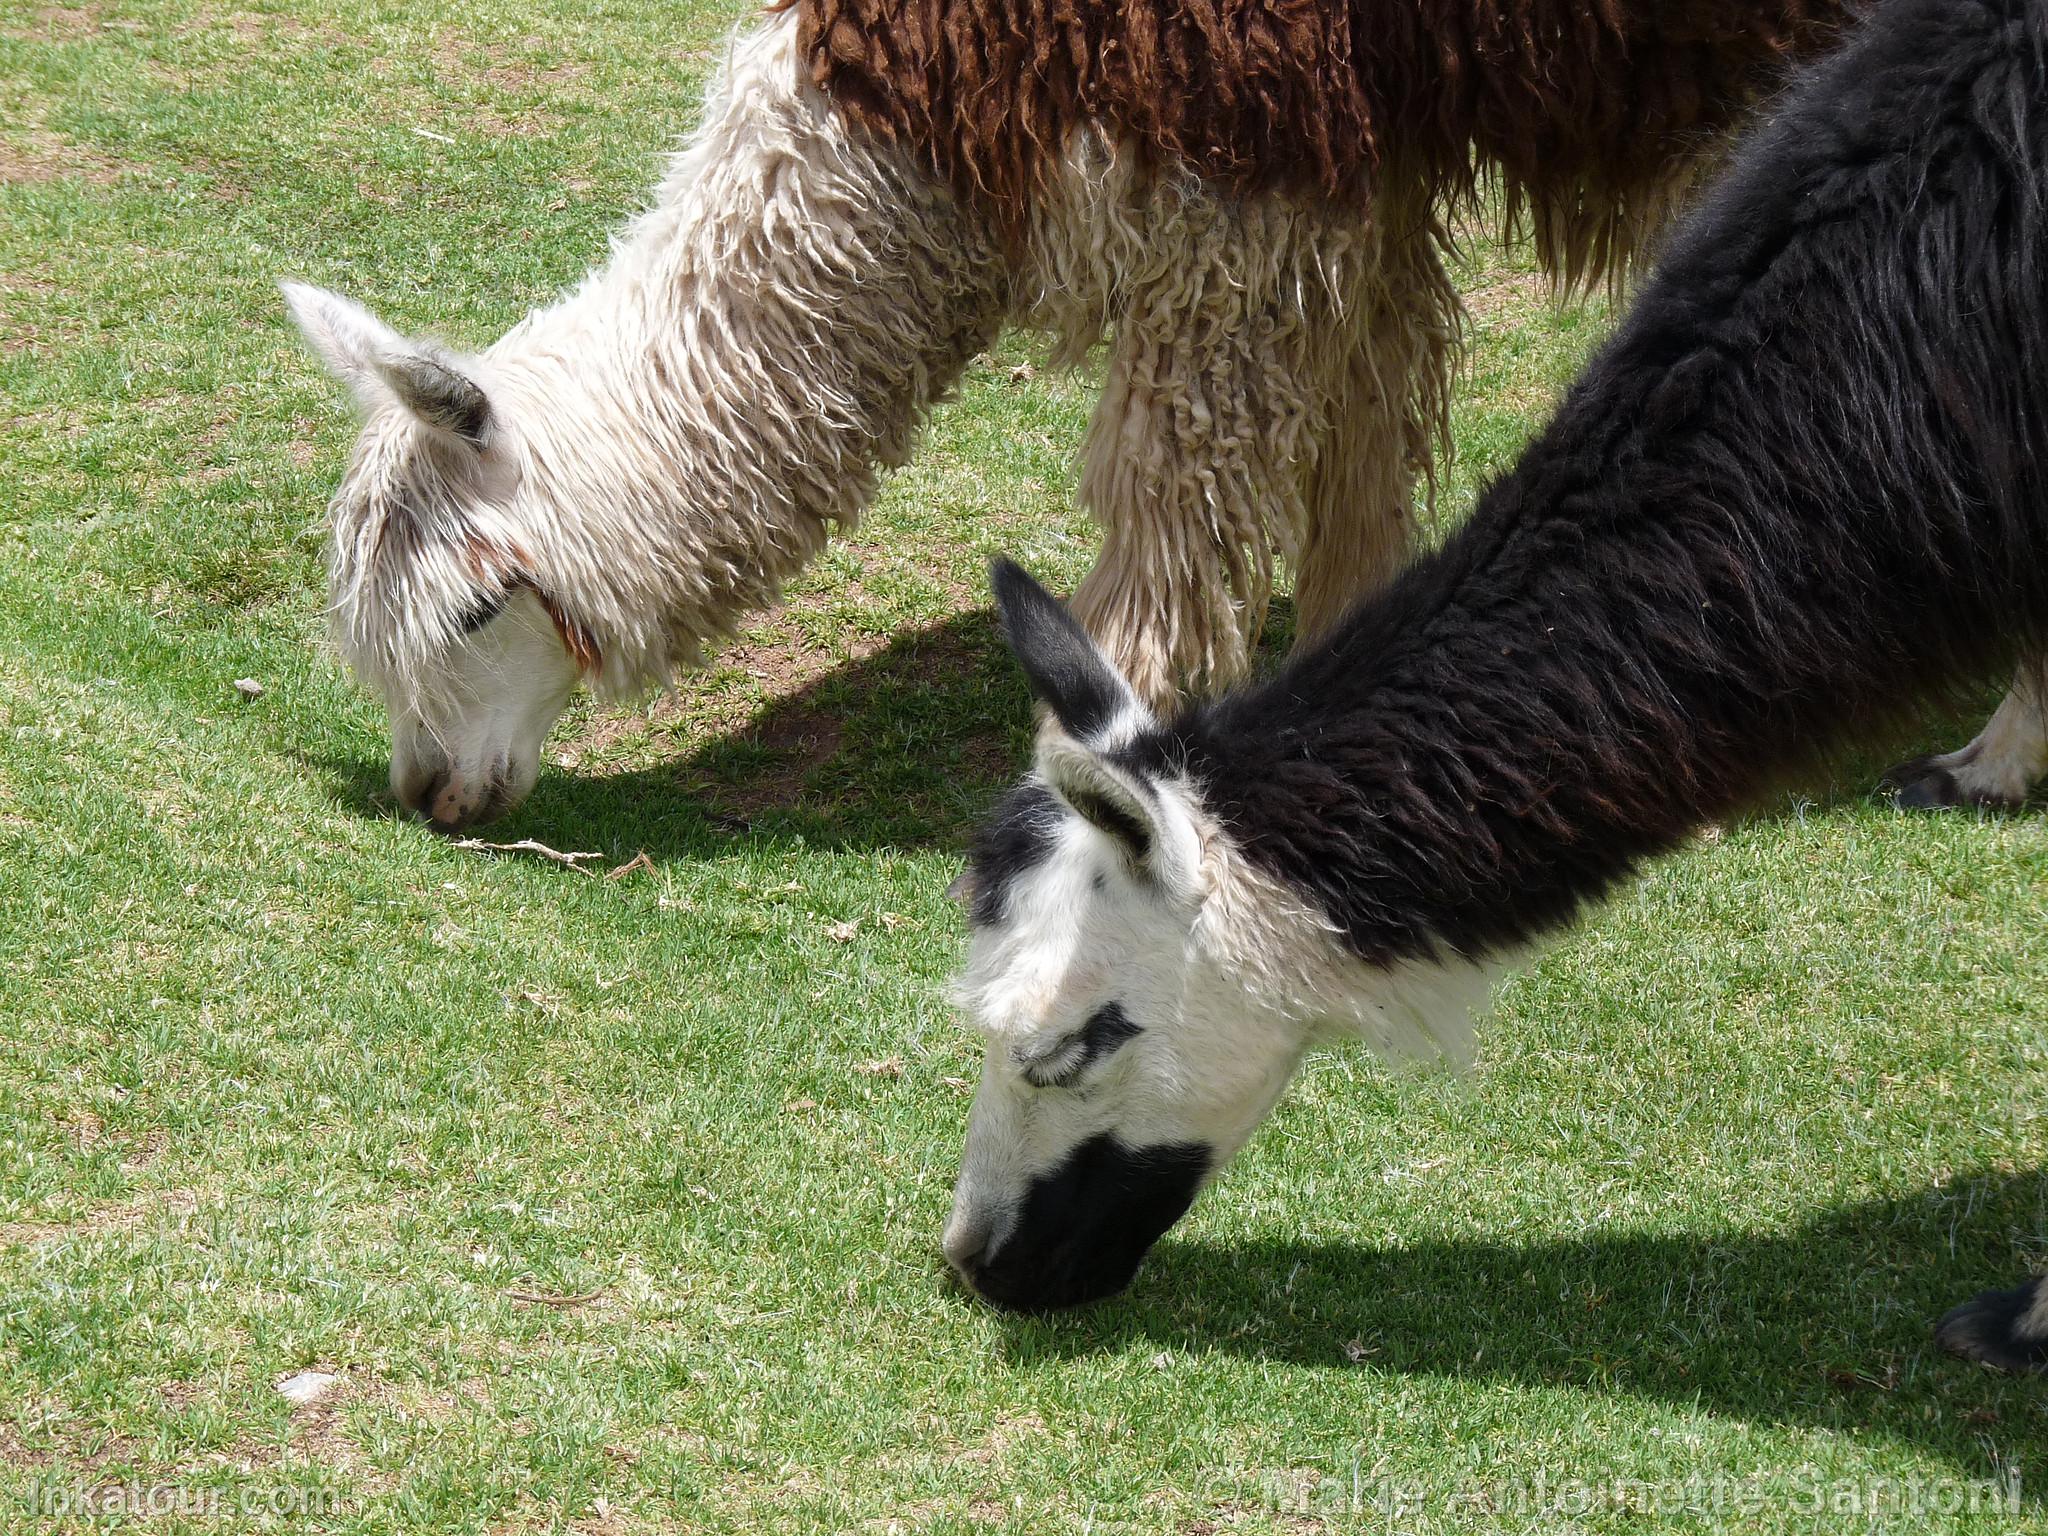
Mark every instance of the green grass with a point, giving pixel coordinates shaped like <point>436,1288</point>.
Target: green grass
<point>288,1083</point>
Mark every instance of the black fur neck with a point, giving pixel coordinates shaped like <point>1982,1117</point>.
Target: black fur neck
<point>1804,488</point>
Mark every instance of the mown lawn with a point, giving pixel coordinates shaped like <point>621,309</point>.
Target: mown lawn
<point>613,1204</point>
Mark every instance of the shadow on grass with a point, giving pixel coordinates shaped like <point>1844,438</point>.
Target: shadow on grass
<point>1859,776</point>
<point>906,748</point>
<point>1829,1325</point>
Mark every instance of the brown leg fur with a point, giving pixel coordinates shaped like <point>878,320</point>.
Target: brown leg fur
<point>1386,418</point>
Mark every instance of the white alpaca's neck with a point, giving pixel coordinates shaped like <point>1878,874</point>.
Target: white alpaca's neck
<point>694,420</point>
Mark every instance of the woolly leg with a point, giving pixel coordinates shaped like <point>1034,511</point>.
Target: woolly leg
<point>1190,470</point>
<point>1387,415</point>
<point>1147,601</point>
<point>2006,1329</point>
<point>2009,756</point>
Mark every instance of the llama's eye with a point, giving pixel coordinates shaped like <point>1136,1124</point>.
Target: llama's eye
<point>1061,1066</point>
<point>479,613</point>
<point>1107,1029</point>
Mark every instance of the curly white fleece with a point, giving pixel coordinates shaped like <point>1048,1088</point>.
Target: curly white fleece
<point>680,434</point>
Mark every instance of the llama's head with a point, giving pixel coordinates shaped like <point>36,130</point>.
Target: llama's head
<point>1132,1044</point>
<point>434,598</point>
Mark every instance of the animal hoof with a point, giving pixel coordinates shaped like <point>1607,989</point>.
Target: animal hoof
<point>1924,784</point>
<point>1993,1329</point>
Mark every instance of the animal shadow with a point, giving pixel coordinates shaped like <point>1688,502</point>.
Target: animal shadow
<point>904,747</point>
<point>1863,774</point>
<point>1828,1324</point>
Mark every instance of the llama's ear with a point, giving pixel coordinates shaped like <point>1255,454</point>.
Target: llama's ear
<point>1103,795</point>
<point>378,363</point>
<point>1067,671</point>
<point>345,336</point>
<point>436,390</point>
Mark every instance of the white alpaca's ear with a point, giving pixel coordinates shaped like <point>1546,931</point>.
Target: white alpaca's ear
<point>1066,669</point>
<point>346,336</point>
<point>378,363</point>
<point>437,391</point>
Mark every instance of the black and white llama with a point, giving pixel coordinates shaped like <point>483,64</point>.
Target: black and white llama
<point>1803,489</point>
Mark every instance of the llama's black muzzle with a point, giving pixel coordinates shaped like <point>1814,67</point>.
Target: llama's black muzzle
<point>1086,1226</point>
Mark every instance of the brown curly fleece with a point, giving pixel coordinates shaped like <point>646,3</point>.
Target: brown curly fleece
<point>1580,105</point>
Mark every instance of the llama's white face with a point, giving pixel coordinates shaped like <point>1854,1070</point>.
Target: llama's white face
<point>433,598</point>
<point>1127,1059</point>
<point>470,749</point>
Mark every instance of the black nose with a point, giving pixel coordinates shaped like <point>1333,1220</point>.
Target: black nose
<point>966,1247</point>
<point>1087,1226</point>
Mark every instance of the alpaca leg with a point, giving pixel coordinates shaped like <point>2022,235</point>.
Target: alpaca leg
<point>1151,601</point>
<point>2009,756</point>
<point>1388,414</point>
<point>2006,1329</point>
<point>1191,469</point>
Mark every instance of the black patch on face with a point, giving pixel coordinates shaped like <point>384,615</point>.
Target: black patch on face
<point>1066,672</point>
<point>1088,1224</point>
<point>1011,843</point>
<point>1107,1028</point>
<point>1988,1328</point>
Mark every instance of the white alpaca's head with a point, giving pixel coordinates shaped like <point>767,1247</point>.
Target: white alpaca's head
<point>629,472</point>
<point>1130,1050</point>
<point>435,601</point>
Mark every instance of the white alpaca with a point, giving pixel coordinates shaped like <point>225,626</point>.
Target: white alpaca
<point>625,475</point>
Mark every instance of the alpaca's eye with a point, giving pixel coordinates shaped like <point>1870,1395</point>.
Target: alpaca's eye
<point>1108,1027</point>
<point>1059,1067</point>
<point>479,613</point>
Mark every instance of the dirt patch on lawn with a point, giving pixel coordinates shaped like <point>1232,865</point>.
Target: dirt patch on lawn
<point>994,1447</point>
<point>22,296</point>
<point>14,1451</point>
<point>882,728</point>
<point>255,27</point>
<point>797,742</point>
<point>510,67</point>
<point>1516,294</point>
<point>115,1216</point>
<point>317,1433</point>
<point>59,24</point>
<point>43,157</point>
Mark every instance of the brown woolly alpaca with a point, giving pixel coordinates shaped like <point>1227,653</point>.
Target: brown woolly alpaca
<point>1371,119</point>
<point>1240,206</point>
<point>1585,108</point>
